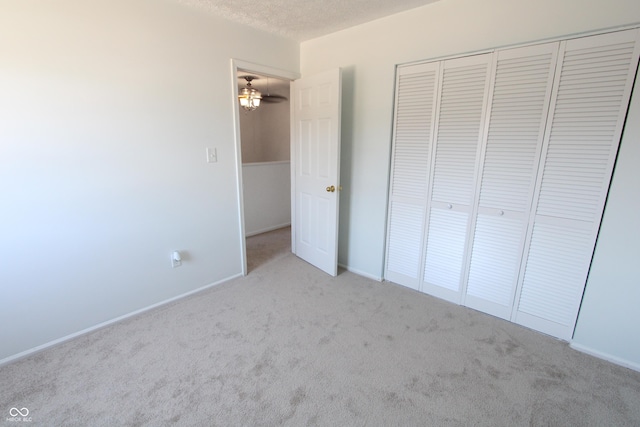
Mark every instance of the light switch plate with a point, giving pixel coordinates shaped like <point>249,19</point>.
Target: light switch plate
<point>212,155</point>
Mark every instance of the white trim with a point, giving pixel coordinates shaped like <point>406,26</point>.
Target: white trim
<point>264,70</point>
<point>238,146</point>
<point>45,346</point>
<point>266,230</point>
<point>605,356</point>
<point>361,273</point>
<point>292,168</point>
<point>278,162</point>
<point>238,64</point>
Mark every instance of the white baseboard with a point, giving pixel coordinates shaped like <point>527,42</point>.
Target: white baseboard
<point>606,356</point>
<point>361,273</point>
<point>107,323</point>
<point>266,230</point>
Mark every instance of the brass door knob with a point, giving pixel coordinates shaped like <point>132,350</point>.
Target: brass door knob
<point>331,189</point>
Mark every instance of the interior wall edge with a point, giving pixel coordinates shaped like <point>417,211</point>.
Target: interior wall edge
<point>361,273</point>
<point>605,356</point>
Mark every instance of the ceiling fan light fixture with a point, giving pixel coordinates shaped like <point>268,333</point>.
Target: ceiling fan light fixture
<point>249,97</point>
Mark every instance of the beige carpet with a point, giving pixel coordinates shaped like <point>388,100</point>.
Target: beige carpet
<point>289,345</point>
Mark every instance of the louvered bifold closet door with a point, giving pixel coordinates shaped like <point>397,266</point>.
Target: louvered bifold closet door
<point>413,133</point>
<point>518,111</point>
<point>593,84</point>
<point>459,129</point>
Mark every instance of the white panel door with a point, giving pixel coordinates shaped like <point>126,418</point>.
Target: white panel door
<point>315,151</point>
<point>416,87</point>
<point>594,78</point>
<point>521,93</point>
<point>464,87</point>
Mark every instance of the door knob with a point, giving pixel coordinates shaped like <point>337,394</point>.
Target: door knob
<point>331,189</point>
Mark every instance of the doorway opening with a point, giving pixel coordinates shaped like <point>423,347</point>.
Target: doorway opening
<point>266,168</point>
<point>263,148</point>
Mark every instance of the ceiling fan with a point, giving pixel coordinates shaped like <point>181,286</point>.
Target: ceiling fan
<point>268,97</point>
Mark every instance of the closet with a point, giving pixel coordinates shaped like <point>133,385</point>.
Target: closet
<point>501,164</point>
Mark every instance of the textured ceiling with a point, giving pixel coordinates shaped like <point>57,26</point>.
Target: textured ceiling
<point>304,19</point>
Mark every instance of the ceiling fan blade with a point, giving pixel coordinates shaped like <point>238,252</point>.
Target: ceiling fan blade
<point>273,98</point>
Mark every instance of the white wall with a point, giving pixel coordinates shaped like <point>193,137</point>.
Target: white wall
<point>106,108</point>
<point>267,196</point>
<point>368,54</point>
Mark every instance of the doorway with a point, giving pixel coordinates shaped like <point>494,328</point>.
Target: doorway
<point>263,148</point>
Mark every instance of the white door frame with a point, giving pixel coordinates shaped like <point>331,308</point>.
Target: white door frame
<point>237,64</point>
